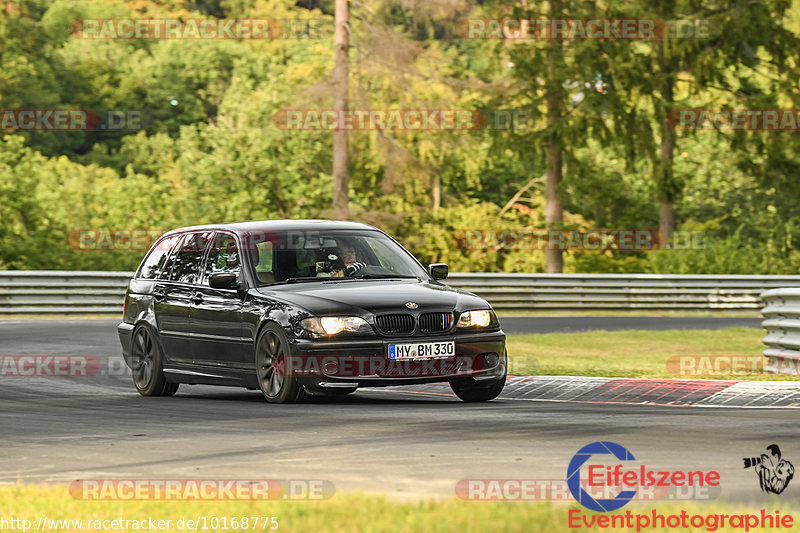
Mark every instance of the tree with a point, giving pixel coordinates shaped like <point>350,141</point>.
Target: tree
<point>555,79</point>
<point>712,55</point>
<point>340,100</point>
<point>555,103</point>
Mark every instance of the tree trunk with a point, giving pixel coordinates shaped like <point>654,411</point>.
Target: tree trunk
<point>437,191</point>
<point>666,223</point>
<point>554,209</point>
<point>341,209</point>
<point>667,187</point>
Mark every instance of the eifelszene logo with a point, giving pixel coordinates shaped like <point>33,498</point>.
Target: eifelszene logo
<point>774,473</point>
<point>590,459</point>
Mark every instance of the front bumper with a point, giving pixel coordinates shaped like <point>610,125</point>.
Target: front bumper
<point>350,362</point>
<point>125,332</point>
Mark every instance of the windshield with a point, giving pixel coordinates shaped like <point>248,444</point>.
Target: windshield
<point>292,256</point>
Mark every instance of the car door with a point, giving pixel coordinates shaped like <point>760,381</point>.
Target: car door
<point>216,314</point>
<point>173,297</point>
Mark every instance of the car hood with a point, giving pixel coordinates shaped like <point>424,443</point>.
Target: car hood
<point>361,297</point>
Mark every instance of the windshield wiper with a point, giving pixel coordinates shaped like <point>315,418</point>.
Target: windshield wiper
<point>304,278</point>
<point>295,280</point>
<point>383,276</point>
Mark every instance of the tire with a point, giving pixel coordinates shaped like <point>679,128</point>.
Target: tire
<point>272,357</point>
<point>147,367</point>
<point>469,390</point>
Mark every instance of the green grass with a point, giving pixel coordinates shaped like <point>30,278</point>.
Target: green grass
<point>343,513</point>
<point>631,353</point>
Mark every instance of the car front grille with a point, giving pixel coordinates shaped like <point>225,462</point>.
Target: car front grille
<point>435,322</point>
<point>395,324</point>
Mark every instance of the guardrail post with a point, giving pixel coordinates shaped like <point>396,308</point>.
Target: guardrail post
<point>782,321</point>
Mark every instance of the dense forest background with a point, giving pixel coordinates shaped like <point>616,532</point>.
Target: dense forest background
<point>209,150</point>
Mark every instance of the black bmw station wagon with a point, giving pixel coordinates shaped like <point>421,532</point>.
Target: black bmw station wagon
<point>303,307</point>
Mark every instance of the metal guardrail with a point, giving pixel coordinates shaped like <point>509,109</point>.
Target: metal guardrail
<point>62,291</point>
<point>646,292</point>
<point>782,321</point>
<point>87,292</point>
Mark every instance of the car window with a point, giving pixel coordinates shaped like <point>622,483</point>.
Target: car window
<point>264,256</point>
<point>154,263</point>
<point>223,257</point>
<point>337,253</point>
<point>186,260</point>
<point>382,253</point>
<point>306,261</point>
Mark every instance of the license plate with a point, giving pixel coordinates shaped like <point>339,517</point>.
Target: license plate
<point>422,350</point>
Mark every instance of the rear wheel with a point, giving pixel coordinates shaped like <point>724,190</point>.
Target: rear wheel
<point>147,365</point>
<point>273,366</point>
<point>470,390</point>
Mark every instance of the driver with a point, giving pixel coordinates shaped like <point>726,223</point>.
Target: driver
<point>351,263</point>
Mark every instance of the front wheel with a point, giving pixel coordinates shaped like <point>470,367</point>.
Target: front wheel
<point>470,390</point>
<point>273,367</point>
<point>147,365</point>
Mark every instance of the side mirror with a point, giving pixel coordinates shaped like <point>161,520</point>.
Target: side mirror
<point>438,270</point>
<point>223,280</point>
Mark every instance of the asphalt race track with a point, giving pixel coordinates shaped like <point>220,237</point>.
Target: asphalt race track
<point>397,442</point>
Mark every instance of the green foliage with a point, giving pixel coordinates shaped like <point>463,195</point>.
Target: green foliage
<point>209,151</point>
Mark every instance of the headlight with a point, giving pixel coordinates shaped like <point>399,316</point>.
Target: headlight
<point>477,319</point>
<point>333,325</point>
